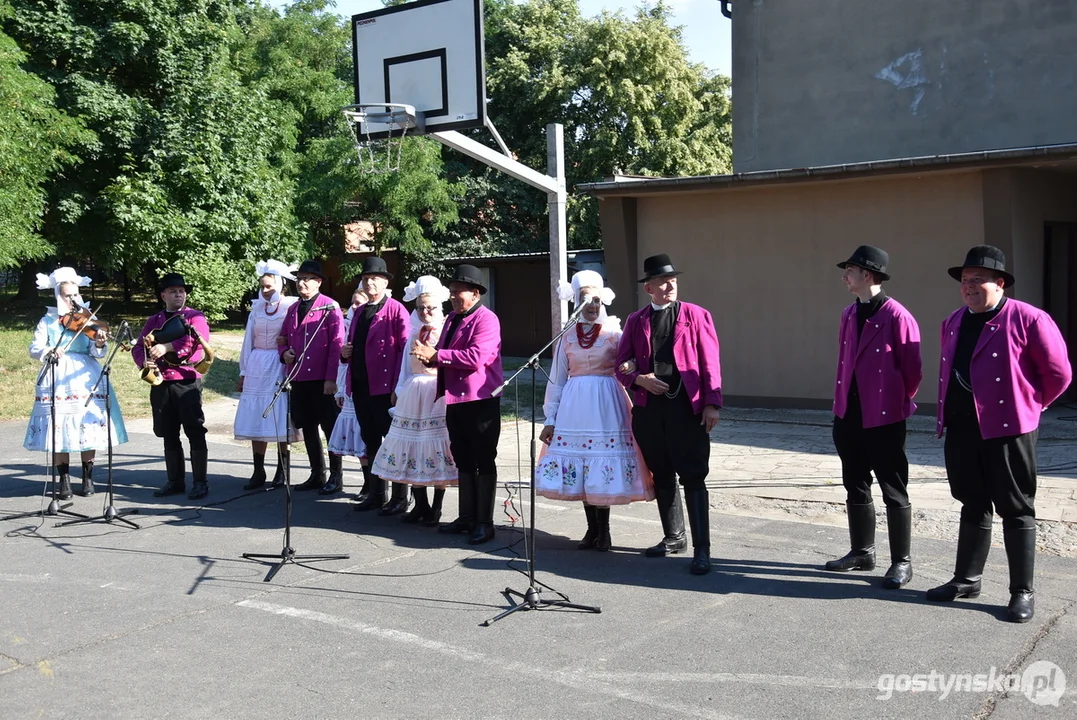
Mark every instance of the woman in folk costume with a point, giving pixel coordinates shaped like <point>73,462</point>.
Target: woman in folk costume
<point>79,427</point>
<point>591,454</point>
<point>260,371</point>
<point>416,450</point>
<point>347,438</point>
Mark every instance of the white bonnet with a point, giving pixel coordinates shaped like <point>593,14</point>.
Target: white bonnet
<point>426,285</point>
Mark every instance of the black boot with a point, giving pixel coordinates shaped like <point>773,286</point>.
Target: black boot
<point>313,443</point>
<point>365,489</point>
<point>281,476</point>
<point>174,469</point>
<point>485,494</point>
<point>603,542</point>
<point>699,519</point>
<point>591,535</point>
<point>63,471</point>
<point>199,470</point>
<point>421,511</point>
<point>258,479</point>
<point>398,500</point>
<point>672,515</point>
<point>1021,556</point>
<point>973,545</point>
<point>375,497</point>
<point>861,539</point>
<point>87,479</point>
<point>899,528</point>
<point>335,483</point>
<point>435,508</point>
<point>465,520</point>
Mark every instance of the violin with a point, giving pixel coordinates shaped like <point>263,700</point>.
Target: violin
<point>82,320</point>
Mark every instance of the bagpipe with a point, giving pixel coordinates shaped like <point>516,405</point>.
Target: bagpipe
<point>175,328</point>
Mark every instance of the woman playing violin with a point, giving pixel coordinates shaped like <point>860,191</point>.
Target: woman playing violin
<point>79,427</point>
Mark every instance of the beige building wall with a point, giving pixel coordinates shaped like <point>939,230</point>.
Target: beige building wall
<point>762,260</point>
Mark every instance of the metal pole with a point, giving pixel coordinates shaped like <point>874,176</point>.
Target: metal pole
<point>557,200</point>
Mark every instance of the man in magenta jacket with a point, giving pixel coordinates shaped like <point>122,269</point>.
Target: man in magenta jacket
<point>879,372</point>
<point>377,340</point>
<point>468,359</point>
<point>1003,362</point>
<point>315,345</point>
<point>676,387</point>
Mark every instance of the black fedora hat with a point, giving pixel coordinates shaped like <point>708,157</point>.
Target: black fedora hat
<point>469,274</point>
<point>988,257</point>
<point>173,279</point>
<point>311,267</point>
<point>657,265</point>
<point>869,258</point>
<point>375,265</point>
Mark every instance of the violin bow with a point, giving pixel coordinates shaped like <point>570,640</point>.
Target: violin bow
<point>93,316</point>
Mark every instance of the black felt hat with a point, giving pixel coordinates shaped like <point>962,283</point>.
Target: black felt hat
<point>870,258</point>
<point>988,257</point>
<point>656,266</point>
<point>311,267</point>
<point>375,265</point>
<point>469,274</point>
<point>173,280</point>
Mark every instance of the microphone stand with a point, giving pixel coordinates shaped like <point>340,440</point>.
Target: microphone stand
<point>55,507</point>
<point>287,553</point>
<point>531,599</point>
<point>109,513</point>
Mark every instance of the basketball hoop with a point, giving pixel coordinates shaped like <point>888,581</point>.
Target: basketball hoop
<point>378,130</point>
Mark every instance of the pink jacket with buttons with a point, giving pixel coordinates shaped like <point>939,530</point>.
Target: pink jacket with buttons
<point>1019,367</point>
<point>386,343</point>
<point>470,361</point>
<point>885,361</point>
<point>323,353</point>
<point>695,353</point>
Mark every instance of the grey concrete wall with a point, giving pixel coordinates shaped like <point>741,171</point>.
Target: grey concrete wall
<point>823,82</point>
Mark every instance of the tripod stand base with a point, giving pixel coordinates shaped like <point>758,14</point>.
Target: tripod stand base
<point>54,509</point>
<point>287,555</point>
<point>532,600</point>
<point>110,515</point>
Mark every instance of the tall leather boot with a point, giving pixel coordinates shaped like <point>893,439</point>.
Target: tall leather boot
<point>421,511</point>
<point>258,479</point>
<point>199,473</point>
<point>435,508</point>
<point>87,479</point>
<point>668,498</point>
<point>335,483</point>
<point>1021,556</point>
<point>63,471</point>
<point>313,442</point>
<point>398,500</point>
<point>973,545</point>
<point>591,535</point>
<point>375,497</point>
<point>861,539</point>
<point>174,470</point>
<point>365,489</point>
<point>485,494</point>
<point>281,476</point>
<point>603,542</point>
<point>699,519</point>
<point>899,528</point>
<point>465,521</point>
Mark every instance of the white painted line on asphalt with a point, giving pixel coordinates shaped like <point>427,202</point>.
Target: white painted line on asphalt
<point>41,578</point>
<point>580,680</point>
<point>746,678</point>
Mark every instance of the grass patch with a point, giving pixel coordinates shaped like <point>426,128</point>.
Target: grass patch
<point>516,399</point>
<point>18,371</point>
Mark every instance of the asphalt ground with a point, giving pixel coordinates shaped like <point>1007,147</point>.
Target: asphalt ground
<point>101,620</point>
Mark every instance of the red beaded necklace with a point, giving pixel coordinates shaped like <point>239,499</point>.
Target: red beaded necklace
<point>587,338</point>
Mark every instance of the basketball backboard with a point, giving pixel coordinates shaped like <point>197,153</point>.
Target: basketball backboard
<point>427,54</point>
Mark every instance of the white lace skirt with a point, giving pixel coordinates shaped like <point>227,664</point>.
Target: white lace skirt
<point>593,456</point>
<point>416,450</point>
<point>78,426</point>
<point>264,370</point>
<point>346,438</point>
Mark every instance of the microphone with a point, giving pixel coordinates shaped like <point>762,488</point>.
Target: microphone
<point>323,308</point>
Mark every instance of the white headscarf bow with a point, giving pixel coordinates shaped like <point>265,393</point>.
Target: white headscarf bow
<point>58,277</point>
<point>278,271</point>
<point>570,292</point>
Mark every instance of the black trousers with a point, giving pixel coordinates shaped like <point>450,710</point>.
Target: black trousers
<point>474,429</point>
<point>997,475</point>
<point>673,440</point>
<point>866,450</point>
<point>177,404</point>
<point>372,412</point>
<point>310,409</point>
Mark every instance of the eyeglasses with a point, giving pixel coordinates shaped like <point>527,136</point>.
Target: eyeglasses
<point>974,281</point>
<point>308,278</point>
<point>427,308</point>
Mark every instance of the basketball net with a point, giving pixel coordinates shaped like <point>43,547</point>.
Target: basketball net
<point>378,131</point>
